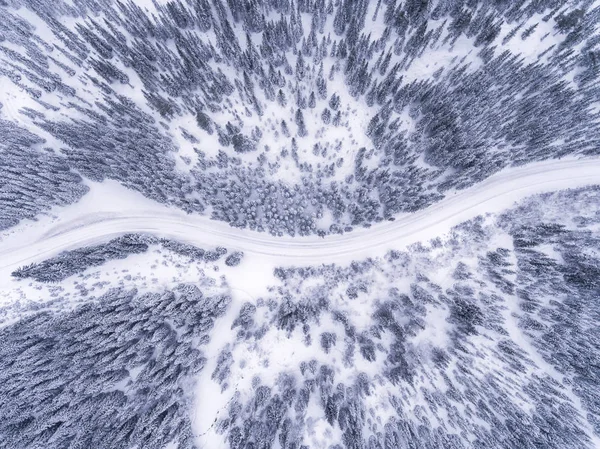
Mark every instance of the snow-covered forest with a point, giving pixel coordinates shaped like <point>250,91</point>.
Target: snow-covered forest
<point>484,337</point>
<point>292,117</point>
<point>298,224</point>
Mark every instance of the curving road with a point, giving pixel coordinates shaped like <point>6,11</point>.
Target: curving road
<point>496,193</point>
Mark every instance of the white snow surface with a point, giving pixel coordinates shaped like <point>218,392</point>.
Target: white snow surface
<point>110,210</point>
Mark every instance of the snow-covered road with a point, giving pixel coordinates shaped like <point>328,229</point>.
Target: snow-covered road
<point>110,210</point>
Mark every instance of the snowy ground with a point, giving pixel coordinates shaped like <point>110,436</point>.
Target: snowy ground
<point>110,210</point>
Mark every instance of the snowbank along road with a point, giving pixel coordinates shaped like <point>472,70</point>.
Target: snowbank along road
<point>95,220</point>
